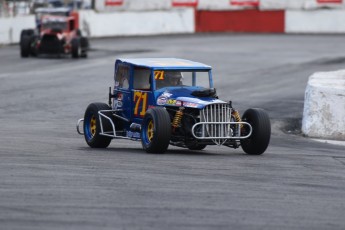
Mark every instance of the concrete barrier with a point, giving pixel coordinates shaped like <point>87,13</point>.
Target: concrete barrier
<point>137,17</point>
<point>10,28</point>
<point>281,4</point>
<point>299,4</point>
<point>240,21</point>
<point>219,5</point>
<point>324,106</point>
<point>316,21</point>
<point>132,5</point>
<point>137,23</point>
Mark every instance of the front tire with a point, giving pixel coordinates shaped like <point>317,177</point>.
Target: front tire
<point>75,49</point>
<point>258,142</point>
<point>156,130</point>
<point>25,46</point>
<point>92,126</point>
<point>84,45</point>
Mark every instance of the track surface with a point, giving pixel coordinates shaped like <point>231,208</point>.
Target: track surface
<point>50,179</point>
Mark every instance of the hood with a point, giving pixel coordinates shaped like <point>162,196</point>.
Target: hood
<point>193,97</point>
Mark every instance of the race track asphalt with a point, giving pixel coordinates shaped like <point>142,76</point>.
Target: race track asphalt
<point>50,179</point>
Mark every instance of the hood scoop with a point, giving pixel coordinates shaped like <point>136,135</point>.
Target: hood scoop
<point>211,92</point>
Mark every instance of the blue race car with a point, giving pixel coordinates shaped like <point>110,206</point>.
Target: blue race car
<point>162,101</point>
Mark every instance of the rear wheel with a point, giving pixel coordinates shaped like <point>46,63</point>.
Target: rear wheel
<point>156,130</point>
<point>258,142</point>
<point>92,126</point>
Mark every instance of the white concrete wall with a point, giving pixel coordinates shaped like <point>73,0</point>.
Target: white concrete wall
<point>135,5</point>
<point>317,21</point>
<point>136,23</point>
<point>10,28</point>
<point>296,5</point>
<point>218,5</point>
<point>324,106</point>
<point>140,5</point>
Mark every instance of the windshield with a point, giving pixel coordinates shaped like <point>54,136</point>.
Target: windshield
<point>54,24</point>
<point>166,78</point>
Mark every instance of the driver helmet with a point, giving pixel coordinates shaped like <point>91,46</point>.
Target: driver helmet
<point>174,78</point>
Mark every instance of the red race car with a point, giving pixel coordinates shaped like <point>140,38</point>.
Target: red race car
<point>57,35</point>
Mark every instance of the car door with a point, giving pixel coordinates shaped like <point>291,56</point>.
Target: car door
<point>141,93</point>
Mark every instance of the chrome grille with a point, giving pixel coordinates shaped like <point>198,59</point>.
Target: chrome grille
<point>216,118</point>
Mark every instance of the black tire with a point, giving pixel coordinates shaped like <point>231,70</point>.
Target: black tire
<point>28,32</point>
<point>76,49</point>
<point>25,46</point>
<point>196,146</point>
<point>156,130</point>
<point>92,126</point>
<point>258,142</point>
<point>84,44</point>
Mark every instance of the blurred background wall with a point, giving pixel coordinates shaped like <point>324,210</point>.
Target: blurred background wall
<point>102,18</point>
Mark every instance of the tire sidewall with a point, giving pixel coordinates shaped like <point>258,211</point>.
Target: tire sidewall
<point>259,140</point>
<point>75,48</point>
<point>25,46</point>
<point>97,140</point>
<point>161,130</point>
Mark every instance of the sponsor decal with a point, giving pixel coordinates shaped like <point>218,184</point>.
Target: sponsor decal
<point>166,94</point>
<point>178,103</point>
<point>171,102</point>
<point>190,104</point>
<point>113,2</point>
<point>161,100</point>
<point>329,1</point>
<point>131,134</point>
<point>192,3</point>
<point>244,2</point>
<point>119,104</point>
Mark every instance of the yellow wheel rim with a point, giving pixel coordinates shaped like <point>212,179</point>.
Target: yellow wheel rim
<point>93,125</point>
<point>149,133</point>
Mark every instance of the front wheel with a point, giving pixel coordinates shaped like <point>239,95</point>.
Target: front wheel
<point>75,48</point>
<point>25,46</point>
<point>156,130</point>
<point>84,44</point>
<point>92,126</point>
<point>258,141</point>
